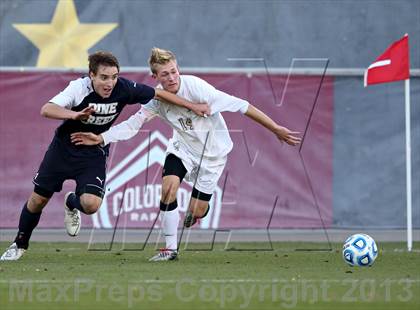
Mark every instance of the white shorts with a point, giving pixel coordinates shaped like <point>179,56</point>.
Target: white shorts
<point>208,172</point>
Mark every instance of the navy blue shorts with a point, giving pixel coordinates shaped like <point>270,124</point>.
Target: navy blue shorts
<point>58,166</point>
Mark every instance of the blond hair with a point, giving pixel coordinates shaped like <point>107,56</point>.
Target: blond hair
<point>160,56</point>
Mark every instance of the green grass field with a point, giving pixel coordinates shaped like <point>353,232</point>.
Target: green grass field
<point>67,276</point>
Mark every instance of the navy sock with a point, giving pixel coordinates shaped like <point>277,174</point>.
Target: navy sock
<point>73,202</point>
<point>27,223</point>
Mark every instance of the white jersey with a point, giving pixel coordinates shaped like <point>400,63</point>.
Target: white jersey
<point>192,133</point>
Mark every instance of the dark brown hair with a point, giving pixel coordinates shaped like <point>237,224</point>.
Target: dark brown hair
<point>102,58</point>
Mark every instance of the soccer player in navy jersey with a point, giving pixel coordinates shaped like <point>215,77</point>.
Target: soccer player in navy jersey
<point>88,104</point>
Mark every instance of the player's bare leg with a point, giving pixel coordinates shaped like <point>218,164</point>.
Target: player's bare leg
<point>36,203</point>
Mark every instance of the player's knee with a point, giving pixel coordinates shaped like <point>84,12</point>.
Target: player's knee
<point>39,201</point>
<point>36,202</point>
<point>90,203</point>
<point>90,208</point>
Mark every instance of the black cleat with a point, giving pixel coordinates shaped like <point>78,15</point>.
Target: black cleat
<point>190,219</point>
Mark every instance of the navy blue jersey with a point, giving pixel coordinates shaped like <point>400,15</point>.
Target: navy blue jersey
<point>79,94</point>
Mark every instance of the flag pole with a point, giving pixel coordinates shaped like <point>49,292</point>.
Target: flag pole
<point>408,164</point>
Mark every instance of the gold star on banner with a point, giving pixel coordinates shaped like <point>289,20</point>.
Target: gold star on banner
<point>65,41</point>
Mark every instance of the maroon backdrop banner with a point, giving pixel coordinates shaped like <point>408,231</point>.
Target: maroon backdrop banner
<point>264,183</point>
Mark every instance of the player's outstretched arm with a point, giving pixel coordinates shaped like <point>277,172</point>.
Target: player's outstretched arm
<point>123,131</point>
<point>282,133</point>
<point>201,109</point>
<point>52,110</point>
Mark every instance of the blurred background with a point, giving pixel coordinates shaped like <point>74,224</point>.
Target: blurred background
<point>348,174</point>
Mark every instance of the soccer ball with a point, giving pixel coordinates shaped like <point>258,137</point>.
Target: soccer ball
<point>360,250</point>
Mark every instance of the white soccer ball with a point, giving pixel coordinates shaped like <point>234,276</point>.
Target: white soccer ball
<point>360,250</point>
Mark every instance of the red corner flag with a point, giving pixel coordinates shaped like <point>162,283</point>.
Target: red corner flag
<point>392,65</point>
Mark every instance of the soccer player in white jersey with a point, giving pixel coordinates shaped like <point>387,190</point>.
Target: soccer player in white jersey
<point>199,147</point>
<point>89,104</point>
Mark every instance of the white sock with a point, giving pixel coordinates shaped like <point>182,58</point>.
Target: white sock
<point>170,222</point>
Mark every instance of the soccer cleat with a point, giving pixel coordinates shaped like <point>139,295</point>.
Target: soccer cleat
<point>12,253</point>
<point>164,255</point>
<point>72,219</point>
<point>190,219</point>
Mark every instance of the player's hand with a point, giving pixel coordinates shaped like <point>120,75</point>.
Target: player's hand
<point>86,138</point>
<point>84,114</point>
<point>285,135</point>
<point>201,109</point>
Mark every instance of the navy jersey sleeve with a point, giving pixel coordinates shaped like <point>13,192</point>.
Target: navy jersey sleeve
<point>140,93</point>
